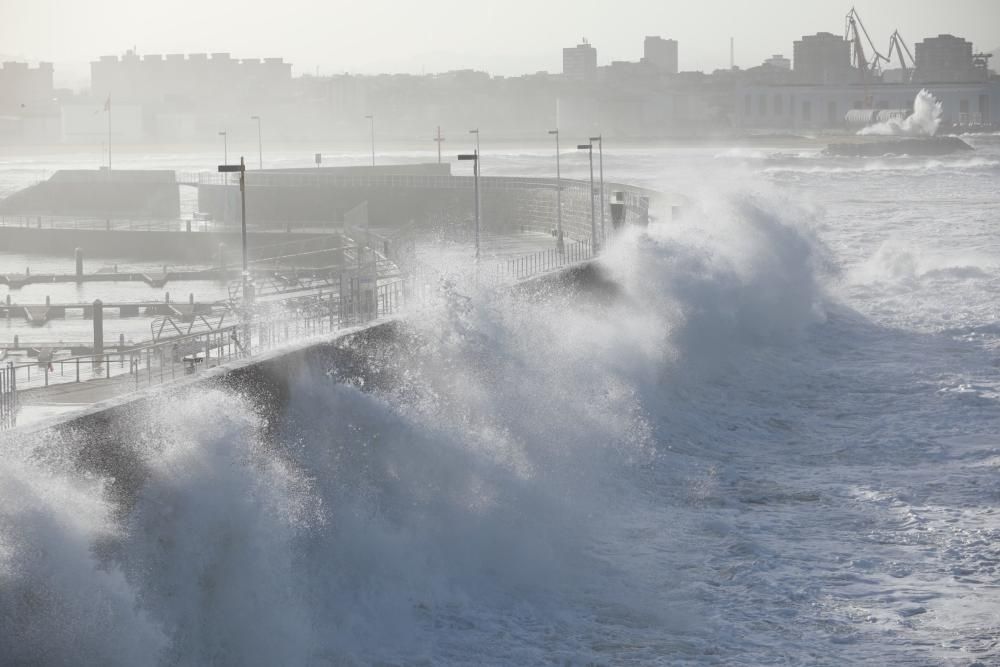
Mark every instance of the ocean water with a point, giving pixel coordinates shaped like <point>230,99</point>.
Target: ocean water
<point>777,443</point>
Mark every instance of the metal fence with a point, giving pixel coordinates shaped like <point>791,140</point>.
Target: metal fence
<point>526,266</point>
<point>363,295</point>
<point>8,396</point>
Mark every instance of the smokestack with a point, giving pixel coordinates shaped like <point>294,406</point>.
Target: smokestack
<point>732,54</point>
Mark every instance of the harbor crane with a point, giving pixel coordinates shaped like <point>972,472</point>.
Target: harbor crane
<point>854,29</point>
<point>896,42</point>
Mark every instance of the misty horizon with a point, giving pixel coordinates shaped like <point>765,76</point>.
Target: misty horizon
<point>503,40</point>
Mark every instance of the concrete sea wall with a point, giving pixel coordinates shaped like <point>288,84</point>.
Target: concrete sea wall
<point>106,434</point>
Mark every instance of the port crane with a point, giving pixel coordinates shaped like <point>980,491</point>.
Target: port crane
<point>896,43</point>
<point>854,29</point>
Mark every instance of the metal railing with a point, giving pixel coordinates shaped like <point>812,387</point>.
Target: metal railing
<point>543,261</point>
<point>361,296</point>
<point>8,396</point>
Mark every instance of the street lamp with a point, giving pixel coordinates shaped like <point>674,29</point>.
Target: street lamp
<point>593,223</point>
<point>438,140</point>
<point>260,150</point>
<point>600,143</point>
<point>247,290</point>
<point>475,171</point>
<point>476,132</point>
<point>479,170</point>
<point>371,117</point>
<point>225,147</point>
<point>559,230</point>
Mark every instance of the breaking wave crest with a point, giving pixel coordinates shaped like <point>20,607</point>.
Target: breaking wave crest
<point>472,510</point>
<point>923,122</point>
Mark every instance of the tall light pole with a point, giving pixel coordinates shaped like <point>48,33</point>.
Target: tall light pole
<point>475,172</point>
<point>371,117</point>
<point>559,230</point>
<point>107,108</point>
<point>247,290</point>
<point>260,149</point>
<point>479,171</point>
<point>476,132</point>
<point>593,221</point>
<point>600,143</point>
<point>439,139</point>
<point>225,147</point>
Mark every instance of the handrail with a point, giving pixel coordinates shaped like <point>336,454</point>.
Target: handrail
<point>357,297</point>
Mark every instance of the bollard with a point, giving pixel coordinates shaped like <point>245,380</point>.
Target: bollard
<point>98,336</point>
<point>78,256</point>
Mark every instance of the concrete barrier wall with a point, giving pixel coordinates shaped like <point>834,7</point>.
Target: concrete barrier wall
<point>142,194</point>
<point>195,247</point>
<point>105,434</point>
<point>508,204</point>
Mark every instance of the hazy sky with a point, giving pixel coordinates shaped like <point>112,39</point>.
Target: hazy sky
<point>500,36</point>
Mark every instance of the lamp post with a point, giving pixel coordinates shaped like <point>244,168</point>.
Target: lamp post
<point>476,132</point>
<point>600,144</point>
<point>438,140</point>
<point>260,150</point>
<point>247,290</point>
<point>479,171</point>
<point>559,230</point>
<point>475,172</point>
<point>593,221</point>
<point>225,147</point>
<point>371,117</point>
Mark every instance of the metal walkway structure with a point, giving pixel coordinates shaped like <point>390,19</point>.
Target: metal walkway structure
<point>367,290</point>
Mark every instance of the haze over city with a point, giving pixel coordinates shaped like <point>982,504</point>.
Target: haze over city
<point>504,38</point>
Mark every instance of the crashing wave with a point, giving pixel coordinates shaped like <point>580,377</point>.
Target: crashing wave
<point>923,122</point>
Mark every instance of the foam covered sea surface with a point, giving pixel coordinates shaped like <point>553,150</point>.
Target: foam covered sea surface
<point>774,442</point>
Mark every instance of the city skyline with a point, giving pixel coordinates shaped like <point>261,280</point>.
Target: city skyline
<point>448,35</point>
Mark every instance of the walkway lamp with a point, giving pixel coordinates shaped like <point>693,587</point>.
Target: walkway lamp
<point>600,142</point>
<point>593,221</point>
<point>247,289</point>
<point>559,229</point>
<point>260,150</point>
<point>475,172</point>
<point>225,147</point>
<point>371,118</point>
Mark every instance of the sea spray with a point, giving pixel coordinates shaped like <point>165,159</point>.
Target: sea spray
<point>923,122</point>
<point>500,504</point>
<point>60,603</point>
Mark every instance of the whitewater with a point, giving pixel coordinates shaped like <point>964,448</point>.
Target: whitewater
<point>771,437</point>
<point>924,121</point>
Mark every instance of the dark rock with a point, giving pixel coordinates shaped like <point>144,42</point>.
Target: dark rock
<point>929,146</point>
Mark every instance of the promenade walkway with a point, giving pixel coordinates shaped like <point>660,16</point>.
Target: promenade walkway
<point>360,299</point>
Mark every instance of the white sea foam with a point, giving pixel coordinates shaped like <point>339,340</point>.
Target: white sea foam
<point>923,122</point>
<point>736,460</point>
